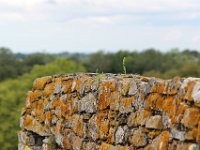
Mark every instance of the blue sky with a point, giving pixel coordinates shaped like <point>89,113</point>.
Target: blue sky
<point>90,25</point>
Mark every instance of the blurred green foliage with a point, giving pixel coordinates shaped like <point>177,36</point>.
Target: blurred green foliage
<point>18,71</point>
<point>13,94</point>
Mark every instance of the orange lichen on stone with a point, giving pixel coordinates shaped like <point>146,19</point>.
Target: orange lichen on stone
<point>66,143</point>
<point>153,134</point>
<point>27,120</point>
<point>56,103</point>
<point>67,85</point>
<point>104,146</point>
<point>103,101</point>
<point>82,84</point>
<point>42,118</point>
<point>30,98</point>
<point>162,141</point>
<point>192,134</point>
<point>154,101</point>
<point>71,106</point>
<point>78,125</point>
<point>170,106</point>
<point>40,83</point>
<point>111,135</point>
<point>49,89</point>
<point>191,117</point>
<point>110,86</point>
<point>138,118</point>
<point>198,133</point>
<point>159,87</point>
<point>37,94</point>
<point>103,124</point>
<point>39,107</point>
<point>180,111</point>
<point>138,138</point>
<point>189,89</point>
<point>48,116</point>
<point>125,104</point>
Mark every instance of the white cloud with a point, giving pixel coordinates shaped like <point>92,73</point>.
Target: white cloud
<point>196,38</point>
<point>174,35</point>
<point>11,16</point>
<point>94,24</point>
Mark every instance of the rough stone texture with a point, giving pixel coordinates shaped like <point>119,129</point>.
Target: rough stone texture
<point>111,112</point>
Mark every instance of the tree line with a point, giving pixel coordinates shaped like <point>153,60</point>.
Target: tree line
<point>150,62</point>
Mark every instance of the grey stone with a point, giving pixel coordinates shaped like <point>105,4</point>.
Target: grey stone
<point>119,135</point>
<point>179,135</point>
<point>87,104</point>
<point>133,88</point>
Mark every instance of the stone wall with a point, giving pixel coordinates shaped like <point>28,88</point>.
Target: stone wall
<point>111,112</point>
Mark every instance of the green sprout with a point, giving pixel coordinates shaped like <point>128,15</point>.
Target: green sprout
<point>124,65</point>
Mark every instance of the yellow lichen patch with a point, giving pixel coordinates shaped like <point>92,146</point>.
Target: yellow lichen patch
<point>48,116</point>
<point>78,125</point>
<point>158,88</point>
<point>103,124</point>
<point>138,118</point>
<point>82,84</point>
<point>39,107</point>
<point>27,148</point>
<point>160,142</point>
<point>111,135</point>
<point>70,107</point>
<point>103,129</point>
<point>153,101</point>
<point>42,118</point>
<point>159,102</point>
<point>137,138</point>
<point>180,111</point>
<point>103,100</point>
<point>163,140</point>
<point>152,134</point>
<point>104,146</point>
<point>64,109</point>
<point>67,86</point>
<point>191,117</point>
<point>49,89</point>
<point>126,103</point>
<point>125,148</point>
<point>30,97</point>
<point>40,83</point>
<point>33,106</point>
<point>56,103</point>
<point>110,86</point>
<point>192,134</point>
<point>169,106</point>
<point>174,85</point>
<point>27,120</point>
<point>38,94</point>
<point>45,102</point>
<point>66,143</point>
